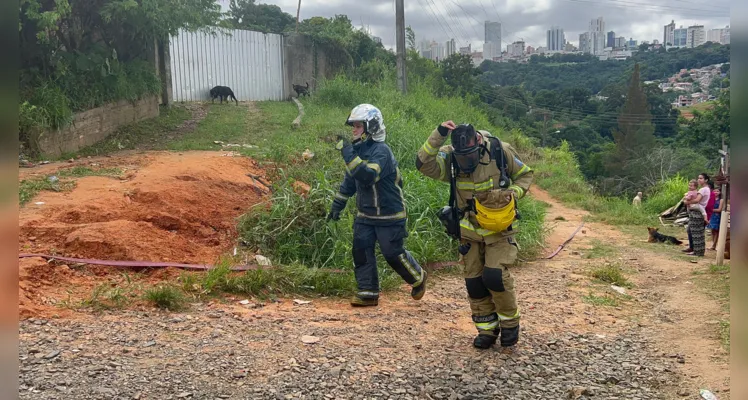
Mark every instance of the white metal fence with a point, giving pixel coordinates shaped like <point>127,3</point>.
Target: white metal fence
<point>250,63</point>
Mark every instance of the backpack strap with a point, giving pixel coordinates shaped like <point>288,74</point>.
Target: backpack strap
<point>498,154</point>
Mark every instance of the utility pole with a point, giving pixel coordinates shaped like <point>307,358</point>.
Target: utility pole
<point>298,10</point>
<point>402,80</point>
<point>722,238</point>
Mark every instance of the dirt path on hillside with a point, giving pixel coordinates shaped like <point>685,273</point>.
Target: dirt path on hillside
<point>667,303</point>
<point>655,344</point>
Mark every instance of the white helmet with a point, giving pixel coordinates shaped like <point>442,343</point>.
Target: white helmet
<point>372,119</point>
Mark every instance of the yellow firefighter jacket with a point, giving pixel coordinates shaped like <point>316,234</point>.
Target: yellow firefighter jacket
<point>481,185</point>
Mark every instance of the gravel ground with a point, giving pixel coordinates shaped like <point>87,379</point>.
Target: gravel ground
<point>400,350</point>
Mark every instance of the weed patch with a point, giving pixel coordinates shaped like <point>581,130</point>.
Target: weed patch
<point>60,182</point>
<point>611,273</point>
<point>604,300</point>
<point>29,188</point>
<point>166,297</point>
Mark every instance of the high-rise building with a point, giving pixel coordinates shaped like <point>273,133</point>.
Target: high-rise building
<point>620,42</point>
<point>695,36</point>
<point>516,49</point>
<point>631,43</point>
<point>597,25</point>
<point>466,50</point>
<point>595,42</point>
<point>584,42</point>
<point>611,42</point>
<point>680,37</point>
<point>595,37</point>
<point>437,51</point>
<point>668,38</point>
<point>719,35</point>
<point>491,50</point>
<point>569,47</point>
<point>451,48</point>
<point>492,32</point>
<point>555,39</point>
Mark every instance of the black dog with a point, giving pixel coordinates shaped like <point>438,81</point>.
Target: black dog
<point>655,236</point>
<point>301,90</point>
<point>224,92</point>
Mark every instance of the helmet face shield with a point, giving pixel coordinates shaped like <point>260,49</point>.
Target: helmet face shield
<point>466,149</point>
<point>468,160</point>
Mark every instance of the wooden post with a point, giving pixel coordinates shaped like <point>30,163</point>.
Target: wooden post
<point>722,238</point>
<point>298,11</point>
<point>402,76</point>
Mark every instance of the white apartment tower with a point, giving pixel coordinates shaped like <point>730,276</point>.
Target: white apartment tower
<point>596,37</point>
<point>451,48</point>
<point>696,36</point>
<point>516,49</point>
<point>720,35</point>
<point>597,25</point>
<point>584,42</point>
<point>555,40</point>
<point>668,38</point>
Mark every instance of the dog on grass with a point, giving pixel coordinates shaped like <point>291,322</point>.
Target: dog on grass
<point>301,90</point>
<point>657,237</point>
<point>224,92</point>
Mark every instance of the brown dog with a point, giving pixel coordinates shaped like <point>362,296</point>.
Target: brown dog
<point>657,237</point>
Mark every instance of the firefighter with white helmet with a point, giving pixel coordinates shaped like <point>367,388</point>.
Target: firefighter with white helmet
<point>373,176</point>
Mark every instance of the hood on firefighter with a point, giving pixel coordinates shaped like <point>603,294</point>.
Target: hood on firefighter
<point>372,120</point>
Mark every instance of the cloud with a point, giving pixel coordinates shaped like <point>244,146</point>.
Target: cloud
<point>526,20</point>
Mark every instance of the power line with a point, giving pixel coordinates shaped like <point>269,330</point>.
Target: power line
<point>460,27</point>
<point>437,19</point>
<point>650,7</point>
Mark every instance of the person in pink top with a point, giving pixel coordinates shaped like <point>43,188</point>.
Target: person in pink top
<point>696,223</point>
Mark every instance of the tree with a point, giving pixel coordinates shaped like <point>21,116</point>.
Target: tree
<point>267,18</point>
<point>411,38</point>
<point>635,133</point>
<point>458,71</point>
<point>708,128</point>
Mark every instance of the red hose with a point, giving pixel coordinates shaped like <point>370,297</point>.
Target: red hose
<point>194,267</point>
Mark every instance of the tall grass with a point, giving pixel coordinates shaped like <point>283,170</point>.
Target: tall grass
<point>293,229</point>
<point>557,171</point>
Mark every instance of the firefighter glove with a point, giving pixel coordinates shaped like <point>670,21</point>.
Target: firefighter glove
<point>337,207</point>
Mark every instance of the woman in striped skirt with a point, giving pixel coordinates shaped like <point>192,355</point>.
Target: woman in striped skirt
<point>696,223</point>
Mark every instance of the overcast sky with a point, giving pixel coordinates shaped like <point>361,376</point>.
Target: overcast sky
<point>527,20</point>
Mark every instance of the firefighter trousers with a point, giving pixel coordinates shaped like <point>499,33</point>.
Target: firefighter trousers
<point>391,239</point>
<point>490,285</point>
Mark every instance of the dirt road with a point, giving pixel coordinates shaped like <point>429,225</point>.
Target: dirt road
<point>580,339</point>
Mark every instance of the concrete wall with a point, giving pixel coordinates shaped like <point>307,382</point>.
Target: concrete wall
<point>303,62</point>
<point>89,127</point>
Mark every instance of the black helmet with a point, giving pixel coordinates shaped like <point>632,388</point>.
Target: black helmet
<point>466,149</point>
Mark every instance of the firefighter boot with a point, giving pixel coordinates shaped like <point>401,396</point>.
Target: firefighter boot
<point>509,336</point>
<point>358,301</point>
<point>418,291</point>
<point>484,340</point>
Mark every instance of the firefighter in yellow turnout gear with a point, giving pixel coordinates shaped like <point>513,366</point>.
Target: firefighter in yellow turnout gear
<point>485,201</point>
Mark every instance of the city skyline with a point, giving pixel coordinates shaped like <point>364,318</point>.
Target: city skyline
<point>441,20</point>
